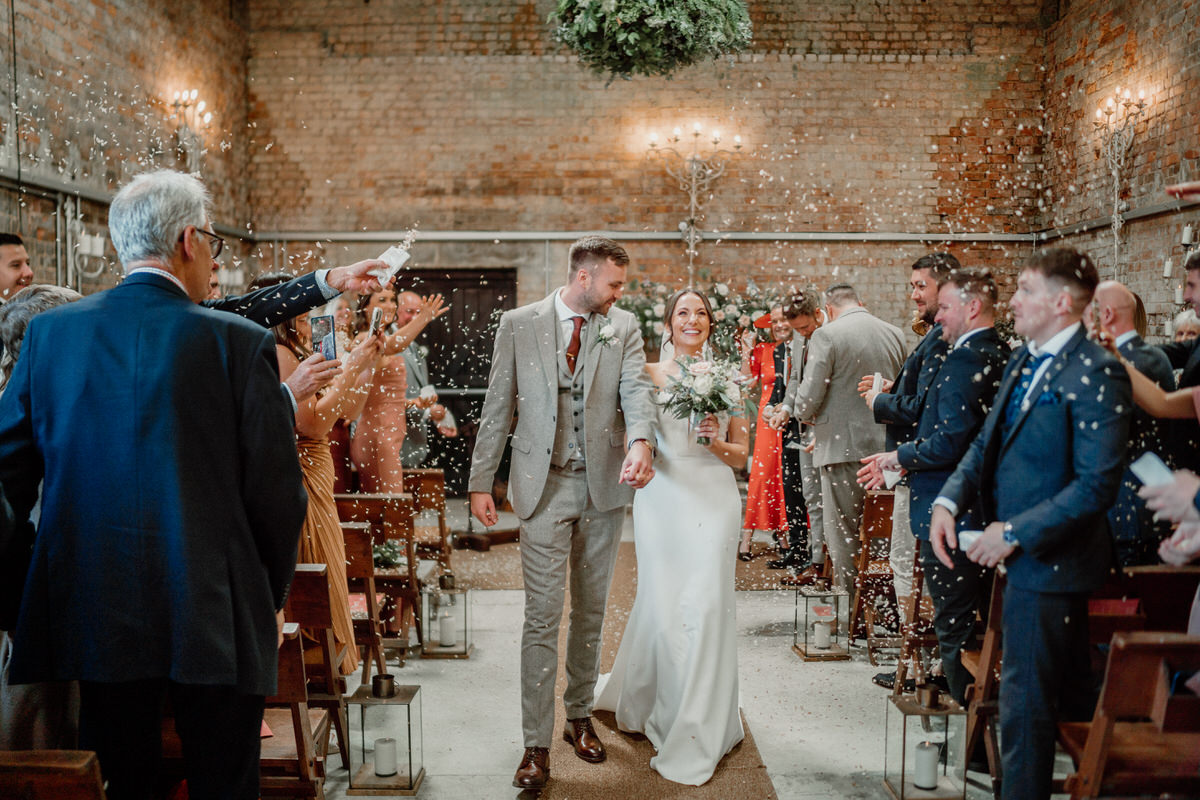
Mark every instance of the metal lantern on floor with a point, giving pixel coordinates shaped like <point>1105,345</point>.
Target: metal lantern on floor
<point>817,635</point>
<point>923,747</point>
<point>446,623</point>
<point>385,739</point>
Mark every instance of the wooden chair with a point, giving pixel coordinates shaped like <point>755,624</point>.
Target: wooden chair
<point>428,488</point>
<point>874,580</point>
<point>1142,740</point>
<point>292,763</point>
<point>917,634</point>
<point>50,775</point>
<point>1165,593</point>
<point>367,605</point>
<point>391,518</point>
<point>983,695</point>
<point>309,606</point>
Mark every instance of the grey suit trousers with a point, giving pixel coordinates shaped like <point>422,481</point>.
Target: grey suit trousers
<point>842,505</point>
<point>564,530</point>
<point>810,482</point>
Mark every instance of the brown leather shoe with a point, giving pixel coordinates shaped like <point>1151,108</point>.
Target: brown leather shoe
<point>804,577</point>
<point>582,736</point>
<point>534,769</point>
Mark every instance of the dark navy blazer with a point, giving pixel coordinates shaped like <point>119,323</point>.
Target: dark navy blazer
<point>1054,473</point>
<point>955,407</point>
<point>900,409</point>
<point>172,500</point>
<point>272,305</point>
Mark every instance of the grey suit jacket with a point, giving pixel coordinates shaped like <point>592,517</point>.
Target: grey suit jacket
<point>415,447</point>
<point>839,354</point>
<point>618,405</point>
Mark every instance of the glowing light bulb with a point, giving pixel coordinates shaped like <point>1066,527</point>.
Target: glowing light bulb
<point>716,137</point>
<point>193,94</point>
<point>208,118</point>
<point>696,127</point>
<point>737,141</point>
<point>200,107</point>
<point>677,132</point>
<point>653,139</point>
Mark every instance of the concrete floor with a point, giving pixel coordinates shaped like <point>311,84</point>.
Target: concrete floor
<point>819,725</point>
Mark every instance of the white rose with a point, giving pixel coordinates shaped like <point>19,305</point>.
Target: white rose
<point>608,332</point>
<point>659,309</point>
<point>719,316</point>
<point>731,310</point>
<point>732,397</point>
<point>722,289</point>
<point>664,396</point>
<point>744,321</point>
<point>658,328</point>
<point>703,384</point>
<point>700,367</point>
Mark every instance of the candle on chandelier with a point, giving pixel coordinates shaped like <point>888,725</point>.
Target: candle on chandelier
<point>1168,266</point>
<point>1178,295</point>
<point>1187,235</point>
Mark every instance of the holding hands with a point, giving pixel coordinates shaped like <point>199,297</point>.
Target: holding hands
<point>779,418</point>
<point>638,467</point>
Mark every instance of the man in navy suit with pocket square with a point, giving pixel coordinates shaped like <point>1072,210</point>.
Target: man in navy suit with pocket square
<point>954,410</point>
<point>171,504</point>
<point>1042,474</point>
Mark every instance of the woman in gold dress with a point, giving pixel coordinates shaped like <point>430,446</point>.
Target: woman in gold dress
<point>321,539</point>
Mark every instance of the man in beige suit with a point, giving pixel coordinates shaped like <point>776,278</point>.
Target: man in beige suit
<point>851,344</point>
<point>571,369</point>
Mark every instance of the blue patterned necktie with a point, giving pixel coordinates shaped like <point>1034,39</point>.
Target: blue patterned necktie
<point>1013,408</point>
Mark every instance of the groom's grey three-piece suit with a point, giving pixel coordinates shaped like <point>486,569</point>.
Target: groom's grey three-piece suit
<point>569,441</point>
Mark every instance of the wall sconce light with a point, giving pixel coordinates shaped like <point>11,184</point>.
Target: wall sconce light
<point>1116,122</point>
<point>696,173</point>
<point>193,120</point>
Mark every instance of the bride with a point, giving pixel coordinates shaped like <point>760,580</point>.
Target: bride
<point>675,676</point>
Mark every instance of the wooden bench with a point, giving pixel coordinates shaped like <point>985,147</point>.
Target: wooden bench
<point>367,605</point>
<point>292,762</point>
<point>917,634</point>
<point>391,519</point>
<point>50,775</point>
<point>874,579</point>
<point>310,607</point>
<point>428,489</point>
<point>1143,739</point>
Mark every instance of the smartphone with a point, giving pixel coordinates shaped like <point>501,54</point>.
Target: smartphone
<point>376,320</point>
<point>1151,470</point>
<point>323,338</point>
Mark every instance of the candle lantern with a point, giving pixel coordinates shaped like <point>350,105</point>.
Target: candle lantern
<point>446,623</point>
<point>385,741</point>
<point>817,636</point>
<point>923,751</point>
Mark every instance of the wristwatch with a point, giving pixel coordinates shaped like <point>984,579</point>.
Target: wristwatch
<point>1009,537</point>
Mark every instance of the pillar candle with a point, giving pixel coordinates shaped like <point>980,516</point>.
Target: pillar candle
<point>925,775</point>
<point>1187,234</point>
<point>1178,295</point>
<point>385,757</point>
<point>1168,266</point>
<point>821,635</point>
<point>447,630</point>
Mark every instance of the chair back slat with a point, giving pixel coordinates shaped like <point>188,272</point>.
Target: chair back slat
<point>360,561</point>
<point>308,603</point>
<point>50,775</point>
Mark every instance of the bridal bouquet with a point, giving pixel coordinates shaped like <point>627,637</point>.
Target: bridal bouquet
<point>703,387</point>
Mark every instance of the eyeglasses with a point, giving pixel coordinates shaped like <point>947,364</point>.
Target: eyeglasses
<point>216,243</point>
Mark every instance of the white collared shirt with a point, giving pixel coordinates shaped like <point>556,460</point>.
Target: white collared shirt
<point>960,341</point>
<point>565,315</point>
<point>1125,337</point>
<point>162,273</point>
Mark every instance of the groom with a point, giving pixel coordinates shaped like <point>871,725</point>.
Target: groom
<point>575,362</point>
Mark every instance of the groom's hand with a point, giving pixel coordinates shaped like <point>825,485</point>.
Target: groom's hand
<point>483,508</point>
<point>638,467</point>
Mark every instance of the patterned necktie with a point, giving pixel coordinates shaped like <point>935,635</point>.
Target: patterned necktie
<point>573,345</point>
<point>1013,408</point>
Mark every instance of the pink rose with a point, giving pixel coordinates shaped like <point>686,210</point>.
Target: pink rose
<point>700,367</point>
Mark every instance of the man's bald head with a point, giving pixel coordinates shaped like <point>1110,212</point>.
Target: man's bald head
<point>1115,306</point>
<point>408,305</point>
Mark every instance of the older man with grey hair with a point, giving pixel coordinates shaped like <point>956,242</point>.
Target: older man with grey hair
<point>171,509</point>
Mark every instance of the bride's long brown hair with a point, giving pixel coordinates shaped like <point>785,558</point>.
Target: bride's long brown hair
<point>670,312</point>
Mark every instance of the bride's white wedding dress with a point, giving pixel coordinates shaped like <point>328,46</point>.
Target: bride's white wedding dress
<point>675,676</point>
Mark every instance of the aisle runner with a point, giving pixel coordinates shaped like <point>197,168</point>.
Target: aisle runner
<point>627,773</point>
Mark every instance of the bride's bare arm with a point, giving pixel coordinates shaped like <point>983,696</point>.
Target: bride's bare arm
<point>735,447</point>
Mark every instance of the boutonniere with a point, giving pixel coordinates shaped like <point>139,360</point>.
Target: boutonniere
<point>422,351</point>
<point>606,335</point>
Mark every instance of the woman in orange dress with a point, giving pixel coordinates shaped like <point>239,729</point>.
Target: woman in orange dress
<point>379,432</point>
<point>765,508</point>
<point>321,539</point>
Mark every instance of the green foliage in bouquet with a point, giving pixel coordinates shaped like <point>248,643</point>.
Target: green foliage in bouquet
<point>623,38</point>
<point>703,387</point>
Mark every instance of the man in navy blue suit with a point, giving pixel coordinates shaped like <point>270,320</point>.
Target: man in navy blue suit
<point>1184,434</point>
<point>1042,474</point>
<point>953,412</point>
<point>1136,534</point>
<point>171,504</point>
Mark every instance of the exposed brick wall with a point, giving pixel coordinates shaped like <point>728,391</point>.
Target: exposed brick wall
<point>94,82</point>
